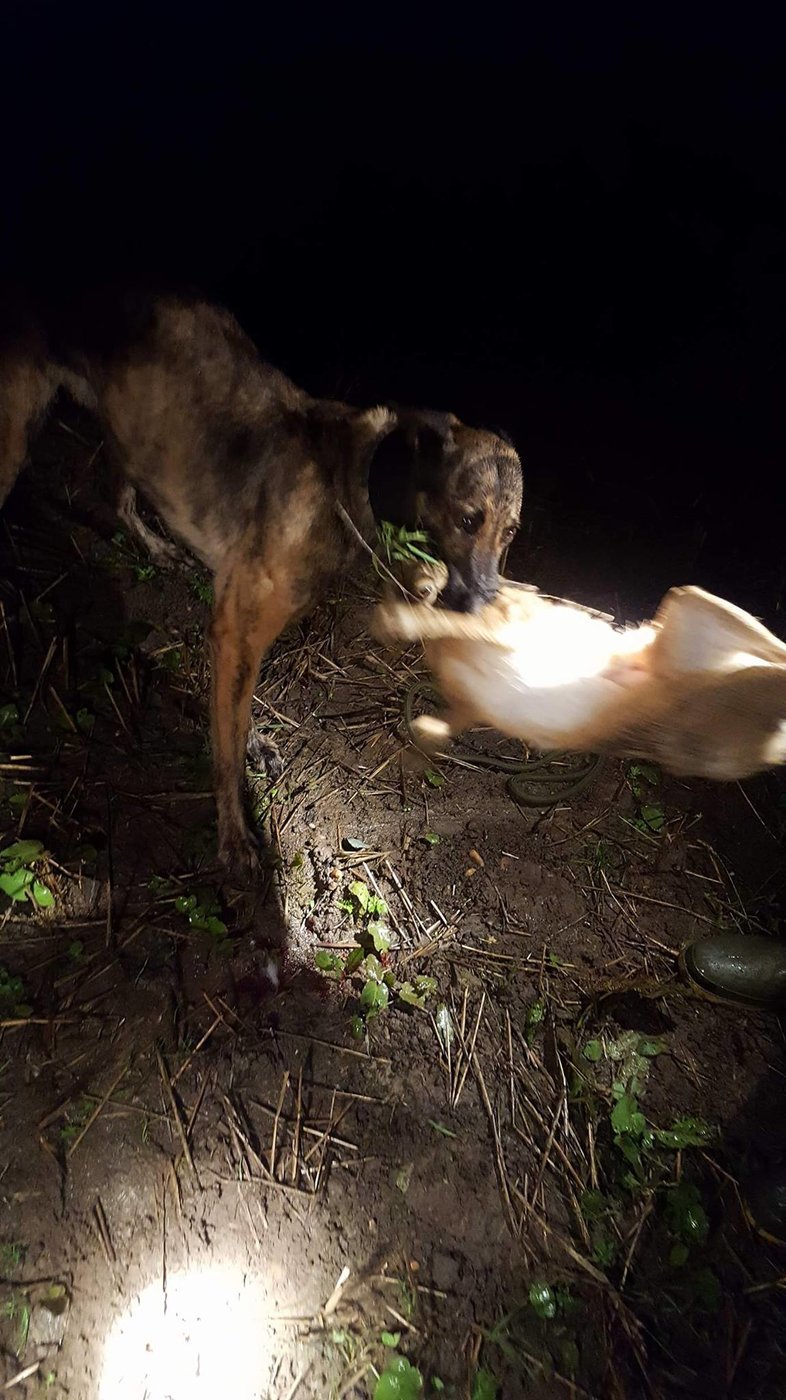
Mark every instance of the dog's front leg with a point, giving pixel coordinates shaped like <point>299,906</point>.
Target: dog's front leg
<point>249,613</point>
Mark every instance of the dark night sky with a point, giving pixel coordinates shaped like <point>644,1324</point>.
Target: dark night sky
<point>573,227</point>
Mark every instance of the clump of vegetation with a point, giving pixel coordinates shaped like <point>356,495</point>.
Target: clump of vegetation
<point>11,1259</point>
<point>539,1336</point>
<point>19,877</point>
<point>201,586</point>
<point>400,1380</point>
<point>398,545</point>
<point>202,909</point>
<point>123,554</point>
<point>368,962</point>
<point>643,779</point>
<point>16,1312</point>
<point>639,1175</point>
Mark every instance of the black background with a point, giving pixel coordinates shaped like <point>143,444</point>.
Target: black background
<point>570,225</point>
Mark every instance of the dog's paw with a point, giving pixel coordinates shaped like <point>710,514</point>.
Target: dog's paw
<point>240,855</point>
<point>393,622</point>
<point>431,734</point>
<point>263,752</point>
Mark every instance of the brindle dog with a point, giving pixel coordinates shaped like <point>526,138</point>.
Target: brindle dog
<point>248,470</point>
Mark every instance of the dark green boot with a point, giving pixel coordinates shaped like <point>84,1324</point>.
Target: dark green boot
<point>743,969</point>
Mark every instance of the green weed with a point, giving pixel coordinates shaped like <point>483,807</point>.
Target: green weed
<point>398,545</point>
<point>18,877</point>
<point>368,961</point>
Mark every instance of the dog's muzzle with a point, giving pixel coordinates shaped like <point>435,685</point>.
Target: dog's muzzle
<point>469,597</point>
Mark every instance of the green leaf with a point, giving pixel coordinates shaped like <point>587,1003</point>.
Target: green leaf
<point>687,1132</point>
<point>371,968</point>
<point>626,1117</point>
<point>211,925</point>
<point>484,1386</point>
<point>361,892</point>
<point>390,1339</point>
<point>426,986</point>
<point>640,773</point>
<point>535,1016</point>
<point>354,959</point>
<point>399,1381</point>
<point>437,1384</point>
<point>593,1205</point>
<point>432,838</point>
<point>328,962</point>
<point>604,1251</point>
<point>653,817</point>
<point>379,935</point>
<point>593,1051</point>
<point>679,1255</point>
<point>542,1300</point>
<point>357,1027</point>
<point>76,949</point>
<point>685,1213</point>
<point>433,778</point>
<point>14,883</point>
<point>631,1151</point>
<point>24,851</point>
<point>43,897</point>
<point>409,996</point>
<point>374,998</point>
<point>650,1048</point>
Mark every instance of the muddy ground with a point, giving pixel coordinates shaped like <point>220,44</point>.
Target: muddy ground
<point>218,1174</point>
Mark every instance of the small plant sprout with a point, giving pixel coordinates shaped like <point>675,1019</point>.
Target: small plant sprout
<point>368,961</point>
<point>19,879</point>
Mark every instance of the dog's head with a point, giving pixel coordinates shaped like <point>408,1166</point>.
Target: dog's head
<point>463,485</point>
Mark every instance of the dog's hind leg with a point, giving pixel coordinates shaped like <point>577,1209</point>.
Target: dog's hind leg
<point>250,611</point>
<point>161,551</point>
<point>26,391</point>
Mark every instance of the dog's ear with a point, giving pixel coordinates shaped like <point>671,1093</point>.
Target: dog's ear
<point>407,461</point>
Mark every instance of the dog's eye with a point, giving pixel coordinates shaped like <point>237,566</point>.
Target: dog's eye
<point>470,524</point>
<point>509,534</point>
